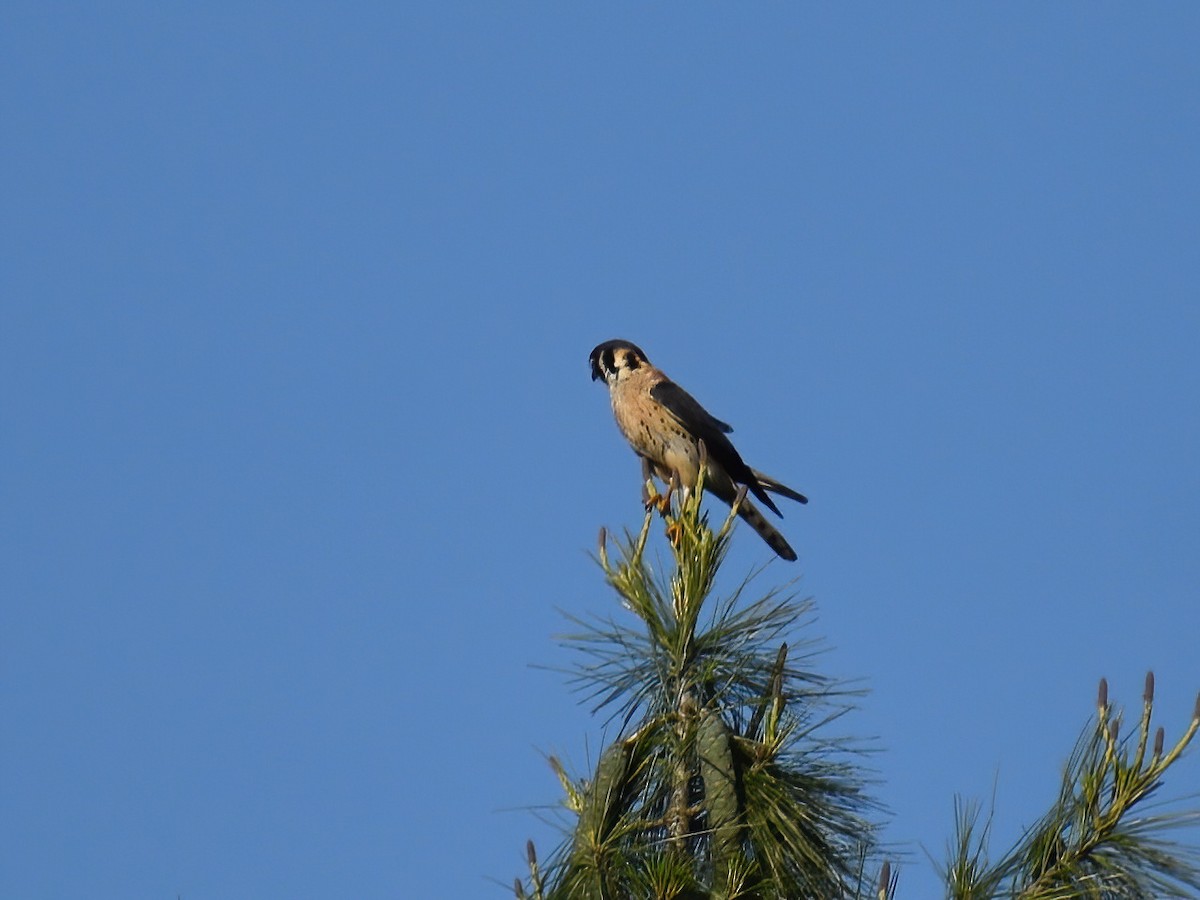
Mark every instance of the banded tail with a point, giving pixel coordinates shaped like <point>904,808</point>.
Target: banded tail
<point>750,514</point>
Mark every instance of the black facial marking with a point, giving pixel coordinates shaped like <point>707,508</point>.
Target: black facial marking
<point>603,357</point>
<point>600,365</point>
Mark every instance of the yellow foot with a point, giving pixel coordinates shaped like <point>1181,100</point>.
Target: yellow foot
<point>656,501</point>
<point>663,502</point>
<point>674,533</point>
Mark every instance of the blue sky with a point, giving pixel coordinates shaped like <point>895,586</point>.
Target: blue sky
<point>303,464</point>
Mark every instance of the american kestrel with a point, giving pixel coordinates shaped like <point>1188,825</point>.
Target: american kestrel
<point>665,426</point>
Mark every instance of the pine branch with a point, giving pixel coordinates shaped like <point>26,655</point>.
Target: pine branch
<point>722,783</point>
<point>1094,841</point>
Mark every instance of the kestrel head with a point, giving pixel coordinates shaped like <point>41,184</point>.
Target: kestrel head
<point>612,358</point>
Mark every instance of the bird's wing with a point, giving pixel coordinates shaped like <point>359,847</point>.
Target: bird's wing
<point>700,424</point>
<point>683,406</point>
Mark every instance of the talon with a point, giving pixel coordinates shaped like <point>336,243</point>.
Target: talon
<point>653,500</point>
<point>674,533</point>
<point>664,502</point>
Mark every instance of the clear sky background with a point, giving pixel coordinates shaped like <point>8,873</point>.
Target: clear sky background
<point>302,464</point>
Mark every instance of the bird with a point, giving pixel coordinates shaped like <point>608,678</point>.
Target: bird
<point>666,427</point>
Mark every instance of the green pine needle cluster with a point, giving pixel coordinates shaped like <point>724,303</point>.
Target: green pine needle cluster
<point>1098,840</point>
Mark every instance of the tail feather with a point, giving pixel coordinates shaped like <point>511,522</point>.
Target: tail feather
<point>752,517</point>
<point>767,483</point>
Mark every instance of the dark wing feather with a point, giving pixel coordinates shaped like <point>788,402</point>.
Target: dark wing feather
<point>700,423</point>
<point>684,407</point>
